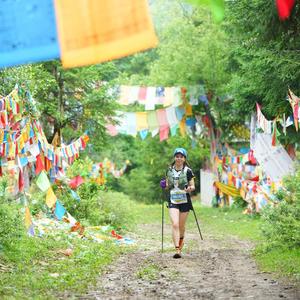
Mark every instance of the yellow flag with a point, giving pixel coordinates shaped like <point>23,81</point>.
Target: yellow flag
<point>169,96</point>
<point>1,135</point>
<point>141,121</point>
<point>188,110</point>
<point>21,142</point>
<point>28,221</point>
<point>228,189</point>
<point>95,31</point>
<point>182,127</point>
<point>50,198</point>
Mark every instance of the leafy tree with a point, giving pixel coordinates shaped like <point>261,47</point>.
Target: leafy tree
<point>264,57</point>
<point>72,100</point>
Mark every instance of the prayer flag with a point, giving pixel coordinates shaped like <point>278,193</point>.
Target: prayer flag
<point>164,133</point>
<point>59,210</point>
<point>174,130</point>
<point>28,221</point>
<point>142,94</point>
<point>284,8</point>
<point>180,111</point>
<point>75,182</point>
<point>39,165</point>
<point>151,98</point>
<point>30,231</point>
<point>152,120</point>
<point>141,121</point>
<point>75,195</point>
<point>162,118</point>
<point>50,198</point>
<point>169,96</point>
<point>143,133</point>
<point>182,127</point>
<point>111,129</point>
<point>294,101</point>
<point>171,116</point>
<point>43,182</point>
<point>21,181</point>
<point>95,31</point>
<point>71,219</point>
<point>27,32</point>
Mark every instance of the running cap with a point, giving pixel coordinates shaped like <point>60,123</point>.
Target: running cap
<point>181,151</point>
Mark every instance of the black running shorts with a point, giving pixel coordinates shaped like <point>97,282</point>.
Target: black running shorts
<point>185,207</point>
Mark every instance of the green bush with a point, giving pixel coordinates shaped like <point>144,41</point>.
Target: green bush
<point>98,207</point>
<point>11,221</point>
<point>239,202</point>
<point>281,223</point>
<point>140,186</point>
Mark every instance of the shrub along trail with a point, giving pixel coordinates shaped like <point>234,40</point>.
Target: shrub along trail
<point>220,267</point>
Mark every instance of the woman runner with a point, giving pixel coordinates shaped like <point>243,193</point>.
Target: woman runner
<point>180,183</point>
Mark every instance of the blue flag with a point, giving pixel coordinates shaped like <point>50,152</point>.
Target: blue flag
<point>27,32</point>
<point>59,210</point>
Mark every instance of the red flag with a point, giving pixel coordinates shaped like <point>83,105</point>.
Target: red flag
<point>21,181</point>
<point>75,182</point>
<point>117,236</point>
<point>284,8</point>
<point>142,94</point>
<point>39,166</point>
<point>83,143</point>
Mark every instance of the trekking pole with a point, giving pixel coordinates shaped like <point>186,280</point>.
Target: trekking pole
<point>196,221</point>
<point>162,222</point>
<point>163,186</point>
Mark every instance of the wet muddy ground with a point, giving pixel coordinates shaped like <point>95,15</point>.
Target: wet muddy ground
<point>209,269</point>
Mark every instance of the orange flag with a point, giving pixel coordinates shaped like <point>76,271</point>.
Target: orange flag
<point>95,31</point>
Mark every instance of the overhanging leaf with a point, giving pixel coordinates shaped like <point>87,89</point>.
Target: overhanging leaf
<point>217,7</point>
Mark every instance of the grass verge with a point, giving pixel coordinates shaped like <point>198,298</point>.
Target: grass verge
<point>39,269</point>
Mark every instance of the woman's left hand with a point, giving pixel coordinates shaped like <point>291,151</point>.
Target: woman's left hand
<point>188,189</point>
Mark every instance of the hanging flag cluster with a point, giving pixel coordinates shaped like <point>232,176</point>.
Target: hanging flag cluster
<point>240,176</point>
<point>166,96</point>
<point>257,175</point>
<point>161,121</point>
<point>80,32</point>
<point>25,152</point>
<point>177,114</point>
<point>270,127</point>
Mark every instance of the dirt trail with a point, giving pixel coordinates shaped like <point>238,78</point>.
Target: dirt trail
<point>209,269</point>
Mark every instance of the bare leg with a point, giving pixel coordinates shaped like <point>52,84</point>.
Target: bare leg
<point>182,220</point>
<point>174,216</point>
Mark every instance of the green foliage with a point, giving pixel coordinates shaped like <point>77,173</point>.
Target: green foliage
<point>264,58</point>
<point>216,6</point>
<point>239,202</point>
<point>41,271</point>
<point>11,225</point>
<point>97,207</point>
<point>80,167</point>
<point>281,224</point>
<point>11,221</point>
<point>139,185</point>
<point>283,260</point>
